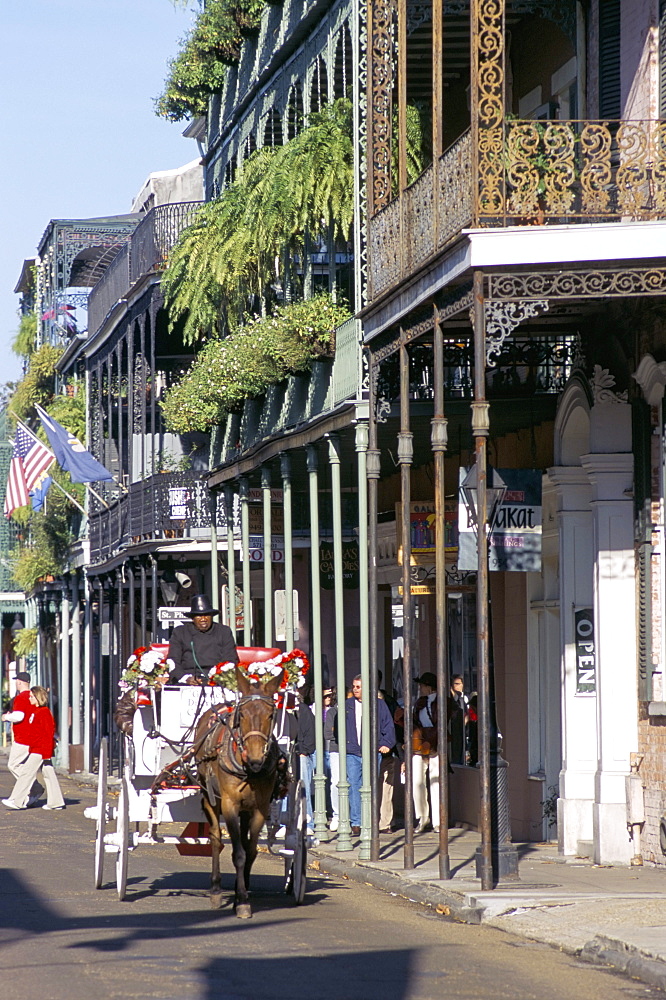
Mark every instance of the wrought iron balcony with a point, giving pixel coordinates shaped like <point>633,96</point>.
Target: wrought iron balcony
<point>168,505</point>
<point>529,173</point>
<point>147,251</point>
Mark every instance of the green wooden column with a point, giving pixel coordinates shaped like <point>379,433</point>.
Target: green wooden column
<point>344,828</point>
<point>245,542</point>
<point>285,469</point>
<point>268,558</point>
<point>214,569</point>
<point>366,687</point>
<point>321,830</point>
<point>231,557</point>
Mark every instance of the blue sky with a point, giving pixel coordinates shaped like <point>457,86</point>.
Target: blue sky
<point>79,134</point>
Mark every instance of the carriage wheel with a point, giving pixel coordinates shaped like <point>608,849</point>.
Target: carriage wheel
<point>101,812</point>
<point>296,874</point>
<point>122,836</point>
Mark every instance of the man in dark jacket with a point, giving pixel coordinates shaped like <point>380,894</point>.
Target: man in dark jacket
<point>200,644</point>
<point>385,743</point>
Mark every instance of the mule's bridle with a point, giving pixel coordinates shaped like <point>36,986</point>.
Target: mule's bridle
<point>239,737</point>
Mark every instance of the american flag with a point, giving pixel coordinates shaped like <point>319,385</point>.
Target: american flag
<point>30,459</point>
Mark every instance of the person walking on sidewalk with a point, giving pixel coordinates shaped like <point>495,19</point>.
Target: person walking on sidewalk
<point>425,760</point>
<point>41,746</point>
<point>385,743</point>
<point>19,716</point>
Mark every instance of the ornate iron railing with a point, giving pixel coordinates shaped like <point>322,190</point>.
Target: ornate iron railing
<point>568,171</point>
<point>168,505</point>
<point>109,290</point>
<point>429,215</point>
<point>157,234</point>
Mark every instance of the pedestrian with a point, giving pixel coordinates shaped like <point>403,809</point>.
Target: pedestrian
<point>305,748</point>
<point>458,713</point>
<point>388,768</point>
<point>41,749</point>
<point>425,759</point>
<point>19,716</point>
<point>331,757</point>
<point>385,743</point>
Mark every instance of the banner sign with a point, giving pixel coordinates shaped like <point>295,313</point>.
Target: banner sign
<point>349,565</point>
<point>586,654</point>
<point>515,542</point>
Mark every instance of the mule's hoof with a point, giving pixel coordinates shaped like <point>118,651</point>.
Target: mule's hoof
<point>243,911</point>
<point>216,900</point>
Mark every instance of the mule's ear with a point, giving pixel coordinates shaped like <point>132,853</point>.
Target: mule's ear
<point>244,682</point>
<point>273,685</point>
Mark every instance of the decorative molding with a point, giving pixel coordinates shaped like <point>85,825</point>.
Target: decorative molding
<point>651,377</point>
<point>502,318</point>
<point>602,383</point>
<point>605,283</point>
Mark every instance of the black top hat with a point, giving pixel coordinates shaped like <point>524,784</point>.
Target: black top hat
<point>200,605</point>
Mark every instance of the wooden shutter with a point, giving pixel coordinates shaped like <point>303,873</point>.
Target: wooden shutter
<point>609,59</point>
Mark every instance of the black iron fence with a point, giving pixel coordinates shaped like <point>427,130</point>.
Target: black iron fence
<point>167,505</point>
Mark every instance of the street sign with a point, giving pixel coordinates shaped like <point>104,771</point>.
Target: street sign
<point>173,615</point>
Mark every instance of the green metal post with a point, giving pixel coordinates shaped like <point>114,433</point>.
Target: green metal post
<point>285,469</point>
<point>366,687</point>
<point>344,828</point>
<point>231,557</point>
<point>321,831</point>
<point>214,569</point>
<point>245,542</point>
<point>268,558</point>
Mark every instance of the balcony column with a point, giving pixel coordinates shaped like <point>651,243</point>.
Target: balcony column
<point>321,832</point>
<point>487,93</point>
<point>214,564</point>
<point>119,404</point>
<point>231,557</point>
<point>268,557</point>
<point>439,441</point>
<point>64,692</point>
<point>155,596</point>
<point>120,634</point>
<point>405,456</point>
<point>344,828</point>
<point>130,403</point>
<point>369,816</point>
<point>285,469</point>
<point>373,471</point>
<point>131,605</point>
<point>245,542</point>
<point>76,660</point>
<point>144,600</point>
<point>88,660</point>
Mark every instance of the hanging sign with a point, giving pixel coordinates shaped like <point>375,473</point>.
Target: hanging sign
<point>515,542</point>
<point>349,565</point>
<point>586,653</point>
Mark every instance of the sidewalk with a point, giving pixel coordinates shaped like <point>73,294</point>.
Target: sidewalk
<point>616,916</point>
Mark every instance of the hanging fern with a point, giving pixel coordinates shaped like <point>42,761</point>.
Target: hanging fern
<point>232,251</point>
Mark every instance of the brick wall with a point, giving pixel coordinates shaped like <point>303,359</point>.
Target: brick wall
<point>652,743</point>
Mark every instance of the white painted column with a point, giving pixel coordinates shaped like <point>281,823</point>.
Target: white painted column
<point>611,476</point>
<point>579,711</point>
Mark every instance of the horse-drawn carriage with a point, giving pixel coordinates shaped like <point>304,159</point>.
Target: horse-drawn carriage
<point>196,754</point>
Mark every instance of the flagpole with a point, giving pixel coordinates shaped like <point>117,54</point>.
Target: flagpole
<point>96,494</point>
<point>69,496</point>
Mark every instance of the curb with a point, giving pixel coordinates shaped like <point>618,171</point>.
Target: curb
<point>626,958</point>
<point>446,903</point>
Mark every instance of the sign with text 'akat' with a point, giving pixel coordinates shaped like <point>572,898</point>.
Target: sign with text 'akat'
<point>515,542</point>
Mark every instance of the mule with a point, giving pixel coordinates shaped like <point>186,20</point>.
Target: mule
<point>237,765</point>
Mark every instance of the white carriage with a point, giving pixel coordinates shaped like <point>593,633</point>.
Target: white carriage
<point>163,733</point>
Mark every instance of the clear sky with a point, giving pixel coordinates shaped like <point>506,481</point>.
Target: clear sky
<point>78,131</point>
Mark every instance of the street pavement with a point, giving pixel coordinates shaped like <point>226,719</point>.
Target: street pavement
<point>60,938</point>
<point>601,913</point>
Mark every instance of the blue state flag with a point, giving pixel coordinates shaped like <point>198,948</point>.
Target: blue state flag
<point>70,453</point>
<point>39,491</point>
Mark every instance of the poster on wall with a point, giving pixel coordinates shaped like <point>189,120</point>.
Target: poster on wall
<point>349,565</point>
<point>423,530</point>
<point>515,543</point>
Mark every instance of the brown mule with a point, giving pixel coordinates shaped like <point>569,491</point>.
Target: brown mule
<point>237,764</point>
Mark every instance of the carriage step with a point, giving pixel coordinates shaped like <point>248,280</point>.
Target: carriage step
<point>92,812</point>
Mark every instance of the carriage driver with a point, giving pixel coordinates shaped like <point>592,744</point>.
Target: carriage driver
<point>200,644</point>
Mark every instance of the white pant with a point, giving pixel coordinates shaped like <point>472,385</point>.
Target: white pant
<point>335,778</point>
<point>425,768</point>
<point>18,755</point>
<point>28,772</point>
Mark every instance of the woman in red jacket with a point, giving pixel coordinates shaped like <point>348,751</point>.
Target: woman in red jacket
<point>42,744</point>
